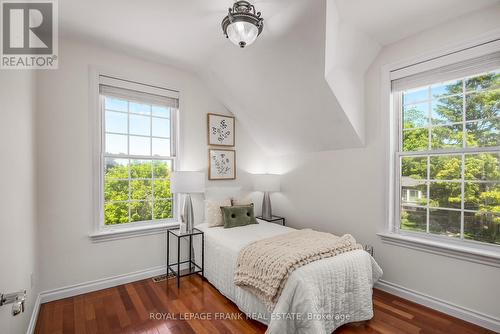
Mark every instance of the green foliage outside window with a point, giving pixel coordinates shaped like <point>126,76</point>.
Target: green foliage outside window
<point>438,123</point>
<point>144,196</point>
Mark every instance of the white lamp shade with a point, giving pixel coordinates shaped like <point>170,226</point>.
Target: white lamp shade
<point>187,182</point>
<point>266,182</point>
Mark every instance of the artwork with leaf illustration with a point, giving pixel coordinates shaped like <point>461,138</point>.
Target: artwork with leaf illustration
<point>220,130</point>
<point>222,164</point>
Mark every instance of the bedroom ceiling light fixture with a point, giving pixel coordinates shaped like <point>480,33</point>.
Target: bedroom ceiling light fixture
<point>242,24</point>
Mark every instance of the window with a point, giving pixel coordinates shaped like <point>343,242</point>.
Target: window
<point>138,150</point>
<point>448,159</point>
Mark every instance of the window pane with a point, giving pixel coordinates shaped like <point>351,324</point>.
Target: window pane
<point>141,190</point>
<point>140,108</point>
<point>446,167</point>
<point>115,213</point>
<point>163,209</point>
<point>140,125</point>
<point>135,184</point>
<point>140,211</point>
<point>140,169</point>
<point>116,122</point>
<point>162,189</point>
<point>116,144</point>
<point>447,110</point>
<point>414,168</point>
<point>435,189</point>
<point>449,136</point>
<point>488,80</point>
<point>485,104</point>
<point>415,140</point>
<point>161,127</point>
<point>115,190</point>
<point>484,166</point>
<point>482,196</point>
<point>161,147</point>
<point>140,145</point>
<point>483,133</point>
<point>162,169</point>
<point>445,194</point>
<point>481,226</point>
<point>415,95</point>
<point>416,115</point>
<point>413,219</point>
<point>112,103</point>
<point>115,168</point>
<point>445,222</point>
<point>161,111</point>
<point>446,88</point>
<point>413,193</point>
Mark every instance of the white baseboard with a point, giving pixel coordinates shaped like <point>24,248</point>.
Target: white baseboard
<point>85,287</point>
<point>34,315</point>
<point>460,312</point>
<point>99,284</point>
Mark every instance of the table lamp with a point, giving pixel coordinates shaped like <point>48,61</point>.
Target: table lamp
<point>267,183</point>
<point>187,183</point>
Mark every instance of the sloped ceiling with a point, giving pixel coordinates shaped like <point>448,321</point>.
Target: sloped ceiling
<point>277,86</point>
<point>388,21</point>
<point>280,88</point>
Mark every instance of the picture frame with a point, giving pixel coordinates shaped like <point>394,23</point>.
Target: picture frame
<point>221,164</point>
<point>220,130</point>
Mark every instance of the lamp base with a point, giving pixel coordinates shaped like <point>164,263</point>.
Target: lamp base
<point>266,207</point>
<point>188,213</point>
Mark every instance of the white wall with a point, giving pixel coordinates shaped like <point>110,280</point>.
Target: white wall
<point>348,53</point>
<point>17,190</point>
<point>345,191</point>
<point>67,255</point>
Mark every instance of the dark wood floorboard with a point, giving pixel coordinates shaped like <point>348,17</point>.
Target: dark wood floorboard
<point>126,309</point>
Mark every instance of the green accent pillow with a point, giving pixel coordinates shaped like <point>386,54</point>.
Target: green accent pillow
<point>240,215</point>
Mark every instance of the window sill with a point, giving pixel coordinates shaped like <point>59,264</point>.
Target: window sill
<point>108,234</point>
<point>461,252</point>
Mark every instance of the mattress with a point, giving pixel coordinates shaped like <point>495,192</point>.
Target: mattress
<point>317,297</point>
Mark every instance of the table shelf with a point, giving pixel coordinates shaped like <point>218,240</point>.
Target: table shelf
<point>193,268</point>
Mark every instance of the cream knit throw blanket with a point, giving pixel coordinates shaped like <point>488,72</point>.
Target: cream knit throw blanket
<point>264,266</point>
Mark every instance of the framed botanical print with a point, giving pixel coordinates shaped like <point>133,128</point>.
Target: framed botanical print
<point>221,164</point>
<point>220,130</point>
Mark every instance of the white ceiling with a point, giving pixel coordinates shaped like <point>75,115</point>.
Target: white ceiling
<point>276,87</point>
<point>391,20</point>
<point>188,31</point>
<point>182,32</point>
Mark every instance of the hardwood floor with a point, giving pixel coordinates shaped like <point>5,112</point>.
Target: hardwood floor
<point>126,309</point>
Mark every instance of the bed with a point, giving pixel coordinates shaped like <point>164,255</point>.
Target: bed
<point>317,298</point>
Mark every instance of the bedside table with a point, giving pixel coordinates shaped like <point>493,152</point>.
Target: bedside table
<point>193,267</point>
<point>274,219</point>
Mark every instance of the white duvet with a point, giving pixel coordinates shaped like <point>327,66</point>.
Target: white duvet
<point>317,298</point>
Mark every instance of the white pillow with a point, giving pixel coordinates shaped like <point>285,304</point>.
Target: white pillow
<point>213,213</point>
<point>247,200</point>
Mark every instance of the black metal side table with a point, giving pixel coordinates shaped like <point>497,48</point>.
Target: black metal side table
<point>274,219</point>
<point>193,267</point>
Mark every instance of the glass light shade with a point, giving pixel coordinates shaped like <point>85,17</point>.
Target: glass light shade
<point>242,33</point>
<point>187,182</point>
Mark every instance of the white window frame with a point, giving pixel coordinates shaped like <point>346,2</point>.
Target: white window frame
<point>101,232</point>
<point>468,250</point>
